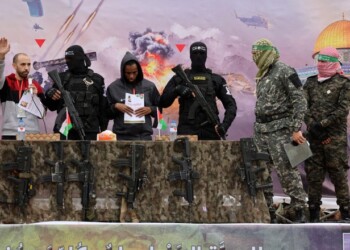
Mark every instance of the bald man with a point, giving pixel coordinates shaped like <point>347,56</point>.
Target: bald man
<point>11,91</point>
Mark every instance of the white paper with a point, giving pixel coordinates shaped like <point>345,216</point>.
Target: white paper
<point>27,103</point>
<point>135,102</point>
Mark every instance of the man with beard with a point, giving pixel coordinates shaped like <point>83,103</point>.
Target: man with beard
<point>11,91</point>
<point>132,82</point>
<point>193,119</point>
<point>279,111</point>
<point>328,96</point>
<point>86,89</point>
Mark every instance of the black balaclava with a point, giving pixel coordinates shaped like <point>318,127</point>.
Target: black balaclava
<point>198,55</point>
<point>76,60</point>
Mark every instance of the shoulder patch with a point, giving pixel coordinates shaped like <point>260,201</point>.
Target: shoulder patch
<point>294,78</point>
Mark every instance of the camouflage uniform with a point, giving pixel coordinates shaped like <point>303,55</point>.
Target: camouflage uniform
<point>279,111</point>
<point>328,103</point>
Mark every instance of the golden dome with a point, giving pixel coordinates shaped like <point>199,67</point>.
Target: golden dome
<point>335,35</point>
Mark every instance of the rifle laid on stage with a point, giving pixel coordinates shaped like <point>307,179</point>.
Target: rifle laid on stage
<point>86,177</point>
<point>58,171</point>
<point>136,179</point>
<point>22,176</point>
<point>211,116</point>
<point>186,174</point>
<point>248,171</point>
<point>77,123</point>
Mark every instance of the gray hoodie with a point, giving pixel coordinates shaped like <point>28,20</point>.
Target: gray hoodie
<point>116,94</point>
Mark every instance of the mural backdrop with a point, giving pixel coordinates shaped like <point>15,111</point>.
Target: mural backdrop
<point>159,33</point>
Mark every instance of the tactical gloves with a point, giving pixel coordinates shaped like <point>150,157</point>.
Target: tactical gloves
<point>221,130</point>
<point>50,93</point>
<point>183,91</point>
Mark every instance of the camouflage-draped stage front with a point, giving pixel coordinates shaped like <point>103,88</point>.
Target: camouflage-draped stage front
<point>220,196</point>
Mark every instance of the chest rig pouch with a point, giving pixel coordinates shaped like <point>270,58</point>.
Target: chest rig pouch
<point>205,84</point>
<point>84,93</point>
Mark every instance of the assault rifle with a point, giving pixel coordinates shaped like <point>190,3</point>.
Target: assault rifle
<point>58,170</point>
<point>135,180</point>
<point>77,123</point>
<point>211,116</point>
<point>248,172</point>
<point>186,173</point>
<point>85,176</point>
<point>22,176</point>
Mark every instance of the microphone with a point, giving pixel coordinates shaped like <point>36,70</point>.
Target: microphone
<point>30,82</point>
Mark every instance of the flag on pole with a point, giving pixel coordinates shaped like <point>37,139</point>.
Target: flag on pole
<point>161,123</point>
<point>66,125</point>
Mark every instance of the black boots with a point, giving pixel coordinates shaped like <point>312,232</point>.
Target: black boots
<point>314,213</point>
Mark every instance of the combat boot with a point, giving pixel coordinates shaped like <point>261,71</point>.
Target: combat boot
<point>299,215</point>
<point>344,211</point>
<point>314,213</point>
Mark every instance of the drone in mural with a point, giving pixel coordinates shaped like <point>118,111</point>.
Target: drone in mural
<point>37,27</point>
<point>254,21</point>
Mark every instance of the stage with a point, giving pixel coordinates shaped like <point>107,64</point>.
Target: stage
<point>154,236</point>
<point>222,215</point>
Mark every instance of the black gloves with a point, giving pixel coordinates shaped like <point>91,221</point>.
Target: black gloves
<point>221,130</point>
<point>183,91</point>
<point>318,132</point>
<point>50,93</point>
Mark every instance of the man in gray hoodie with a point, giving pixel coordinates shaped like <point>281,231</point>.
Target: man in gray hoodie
<point>132,82</point>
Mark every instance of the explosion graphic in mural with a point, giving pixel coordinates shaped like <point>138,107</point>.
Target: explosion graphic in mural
<point>152,50</point>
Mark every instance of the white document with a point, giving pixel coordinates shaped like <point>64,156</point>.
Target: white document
<point>32,104</point>
<point>135,102</point>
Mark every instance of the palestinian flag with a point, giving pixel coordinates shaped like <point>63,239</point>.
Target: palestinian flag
<point>161,123</point>
<point>66,125</point>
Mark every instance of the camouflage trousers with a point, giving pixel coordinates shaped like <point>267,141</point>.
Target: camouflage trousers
<point>289,177</point>
<point>332,159</point>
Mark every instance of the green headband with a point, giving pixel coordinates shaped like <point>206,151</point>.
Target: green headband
<point>326,58</point>
<point>263,47</point>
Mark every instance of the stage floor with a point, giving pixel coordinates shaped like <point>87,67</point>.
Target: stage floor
<point>154,236</point>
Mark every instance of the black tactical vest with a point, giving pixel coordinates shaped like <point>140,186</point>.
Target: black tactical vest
<point>205,84</point>
<point>85,96</point>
